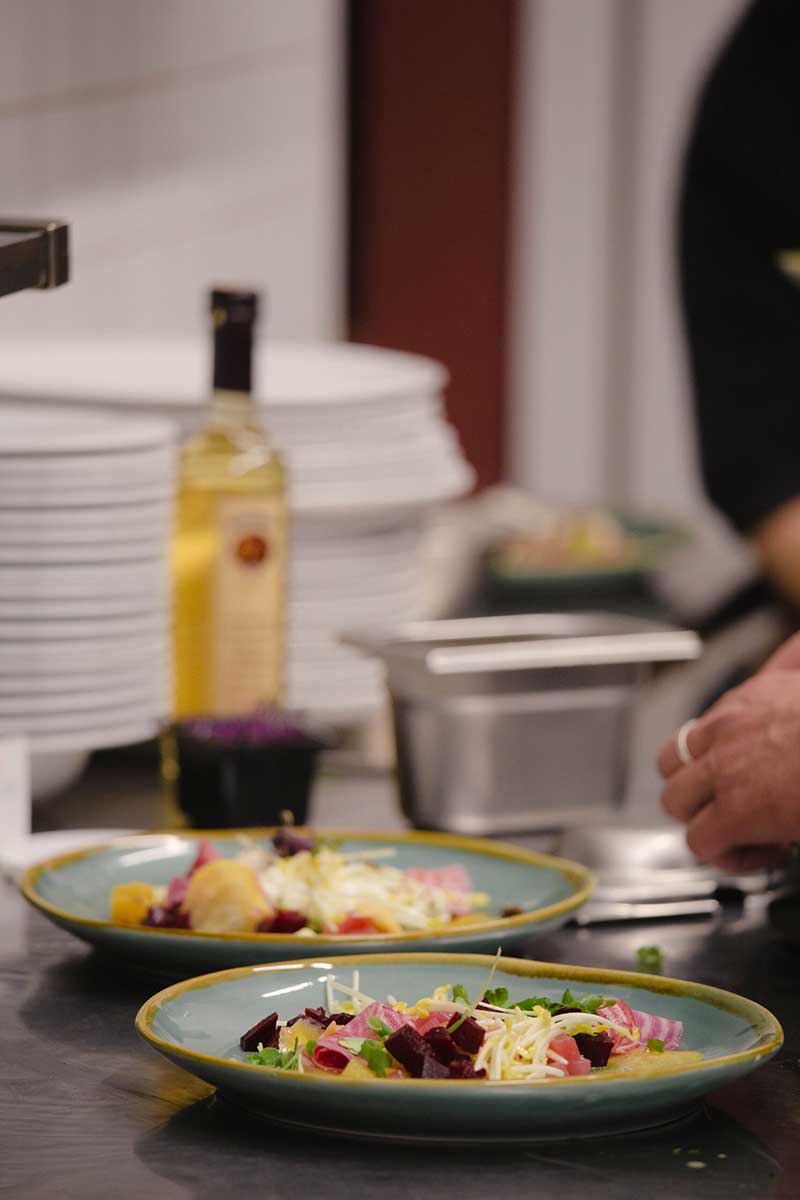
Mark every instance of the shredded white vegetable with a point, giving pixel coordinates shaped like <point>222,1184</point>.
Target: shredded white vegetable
<point>517,1042</point>
<point>327,886</point>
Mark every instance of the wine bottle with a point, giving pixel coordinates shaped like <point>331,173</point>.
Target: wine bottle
<point>230,544</point>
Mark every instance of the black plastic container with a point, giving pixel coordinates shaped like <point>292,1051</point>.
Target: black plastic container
<point>242,771</point>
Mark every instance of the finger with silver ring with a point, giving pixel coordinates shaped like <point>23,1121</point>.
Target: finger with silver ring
<point>682,743</point>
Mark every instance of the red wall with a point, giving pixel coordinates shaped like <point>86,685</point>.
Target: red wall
<point>430,161</point>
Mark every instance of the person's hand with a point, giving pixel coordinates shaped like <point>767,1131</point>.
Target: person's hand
<point>740,797</point>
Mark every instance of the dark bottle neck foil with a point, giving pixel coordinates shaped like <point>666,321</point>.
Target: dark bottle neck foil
<point>233,315</point>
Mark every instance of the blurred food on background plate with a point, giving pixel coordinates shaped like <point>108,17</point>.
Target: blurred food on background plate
<point>511,539</point>
<point>568,541</point>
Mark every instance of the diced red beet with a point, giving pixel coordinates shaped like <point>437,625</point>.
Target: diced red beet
<point>409,1048</point>
<point>564,1009</point>
<point>205,854</point>
<point>468,1035</point>
<point>341,1018</point>
<point>286,920</point>
<point>433,1069</point>
<point>442,1045</point>
<point>314,1016</point>
<point>163,916</point>
<point>596,1047</point>
<point>264,1032</point>
<point>288,842</point>
<point>463,1068</point>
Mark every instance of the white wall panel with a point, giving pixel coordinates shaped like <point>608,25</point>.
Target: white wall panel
<point>186,141</point>
<point>560,248</point>
<point>599,393</point>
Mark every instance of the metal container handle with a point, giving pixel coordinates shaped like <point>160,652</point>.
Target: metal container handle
<point>669,646</point>
<point>525,654</point>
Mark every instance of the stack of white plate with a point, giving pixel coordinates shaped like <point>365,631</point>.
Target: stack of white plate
<point>370,456</point>
<point>85,515</point>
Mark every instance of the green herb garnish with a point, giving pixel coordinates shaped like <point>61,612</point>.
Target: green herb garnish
<point>374,1053</point>
<point>650,959</point>
<point>537,1002</point>
<point>496,996</point>
<point>655,1045</point>
<point>588,1003</point>
<point>380,1027</point>
<point>311,1046</point>
<point>460,993</point>
<point>271,1056</point>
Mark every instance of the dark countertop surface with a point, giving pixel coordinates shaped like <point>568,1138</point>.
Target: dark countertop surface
<point>87,1110</point>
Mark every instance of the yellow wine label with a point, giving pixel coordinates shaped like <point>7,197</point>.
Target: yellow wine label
<point>247,604</point>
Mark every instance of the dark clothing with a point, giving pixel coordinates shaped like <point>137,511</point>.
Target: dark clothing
<point>739,209</point>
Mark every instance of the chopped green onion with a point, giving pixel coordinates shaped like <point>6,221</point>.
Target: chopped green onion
<point>650,959</point>
<point>655,1046</point>
<point>380,1027</point>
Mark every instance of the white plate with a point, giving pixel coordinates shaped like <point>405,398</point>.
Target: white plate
<point>101,738</point>
<point>48,631</point>
<point>29,430</point>
<point>91,470</point>
<point>175,372</point>
<point>148,695</point>
<point>54,724</point>
<point>65,684</point>
<point>365,424</point>
<point>352,508</point>
<point>96,521</point>
<point>75,497</point>
<point>325,587</point>
<point>311,546</point>
<point>429,444</point>
<point>51,774</point>
<point>83,582</point>
<point>333,708</point>
<point>140,603</point>
<point>95,654</point>
<point>327,610</point>
<point>96,554</point>
<point>82,538</point>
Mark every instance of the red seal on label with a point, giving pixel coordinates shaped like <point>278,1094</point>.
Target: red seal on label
<point>252,549</point>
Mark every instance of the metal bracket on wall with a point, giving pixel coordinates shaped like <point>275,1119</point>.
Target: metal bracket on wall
<point>33,254</point>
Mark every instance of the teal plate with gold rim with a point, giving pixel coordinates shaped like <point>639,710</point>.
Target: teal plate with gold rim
<point>197,1025</point>
<point>73,891</point>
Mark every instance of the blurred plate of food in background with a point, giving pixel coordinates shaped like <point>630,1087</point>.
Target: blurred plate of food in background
<point>588,550</point>
<point>116,896</point>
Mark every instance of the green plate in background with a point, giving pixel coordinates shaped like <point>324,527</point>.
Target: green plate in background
<point>653,540</point>
<point>197,1024</point>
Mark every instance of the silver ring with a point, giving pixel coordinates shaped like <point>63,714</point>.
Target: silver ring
<point>682,743</point>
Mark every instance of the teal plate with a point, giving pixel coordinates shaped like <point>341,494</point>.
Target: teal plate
<point>197,1024</point>
<point>73,890</point>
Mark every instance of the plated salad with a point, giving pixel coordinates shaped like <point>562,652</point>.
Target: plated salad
<point>297,884</point>
<point>445,1036</point>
